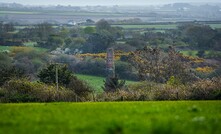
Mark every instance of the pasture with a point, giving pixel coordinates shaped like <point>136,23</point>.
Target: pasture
<point>4,48</point>
<point>149,26</point>
<point>162,117</point>
<point>27,45</point>
<point>96,82</point>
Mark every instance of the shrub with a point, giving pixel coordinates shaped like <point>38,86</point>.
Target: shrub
<point>156,91</point>
<point>65,78</point>
<point>119,95</point>
<point>8,73</point>
<point>81,88</point>
<point>29,59</point>
<point>168,92</point>
<point>143,91</point>
<point>206,89</point>
<point>5,60</point>
<point>134,92</point>
<point>112,83</point>
<point>24,91</point>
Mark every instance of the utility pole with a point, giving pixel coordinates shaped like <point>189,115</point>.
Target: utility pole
<point>56,76</point>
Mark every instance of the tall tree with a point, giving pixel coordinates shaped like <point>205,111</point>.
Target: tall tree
<point>43,31</point>
<point>198,35</point>
<point>155,65</point>
<point>98,43</point>
<point>102,25</point>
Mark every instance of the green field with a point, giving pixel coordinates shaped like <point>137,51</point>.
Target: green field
<point>4,48</point>
<point>189,52</point>
<point>215,25</point>
<point>8,48</point>
<point>160,26</point>
<point>65,13</point>
<point>162,117</point>
<point>19,12</point>
<point>157,26</point>
<point>95,81</point>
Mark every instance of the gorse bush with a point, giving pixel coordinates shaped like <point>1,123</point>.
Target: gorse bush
<point>24,91</point>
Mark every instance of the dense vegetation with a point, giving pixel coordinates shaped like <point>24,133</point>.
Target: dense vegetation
<point>175,60</point>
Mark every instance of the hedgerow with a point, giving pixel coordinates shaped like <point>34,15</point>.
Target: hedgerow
<point>22,90</point>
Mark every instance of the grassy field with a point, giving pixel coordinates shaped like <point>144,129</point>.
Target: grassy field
<point>215,25</point>
<point>157,26</point>
<point>163,117</point>
<point>160,26</point>
<point>64,13</point>
<point>4,48</point>
<point>208,54</point>
<point>189,52</point>
<point>8,48</point>
<point>95,81</point>
<point>19,12</point>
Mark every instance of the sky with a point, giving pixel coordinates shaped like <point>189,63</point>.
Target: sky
<point>103,2</point>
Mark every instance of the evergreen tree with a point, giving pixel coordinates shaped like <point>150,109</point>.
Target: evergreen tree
<point>112,83</point>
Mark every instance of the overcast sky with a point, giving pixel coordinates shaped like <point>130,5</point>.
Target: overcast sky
<point>103,2</point>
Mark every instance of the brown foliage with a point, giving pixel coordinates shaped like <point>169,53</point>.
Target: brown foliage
<point>155,65</point>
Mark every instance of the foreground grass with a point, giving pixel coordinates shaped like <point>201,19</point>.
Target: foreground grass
<point>182,117</point>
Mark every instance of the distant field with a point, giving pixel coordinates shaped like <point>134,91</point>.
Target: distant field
<point>157,26</point>
<point>208,54</point>
<point>3,48</point>
<point>83,13</point>
<point>18,12</point>
<point>95,81</point>
<point>215,25</point>
<point>162,117</point>
<point>65,13</point>
<point>30,44</point>
<point>189,52</point>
